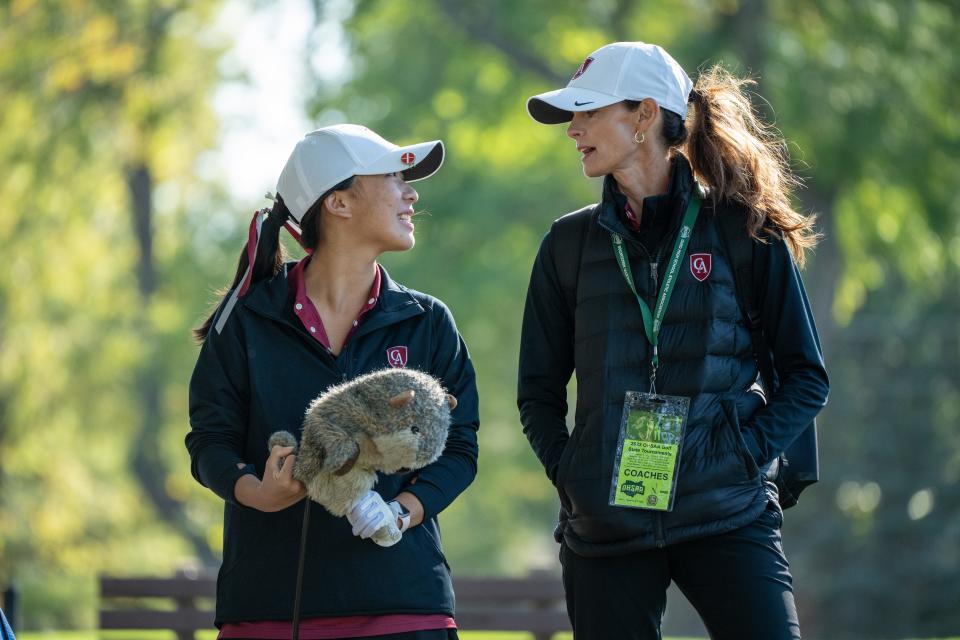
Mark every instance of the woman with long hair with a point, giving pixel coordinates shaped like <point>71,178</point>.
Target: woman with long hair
<point>670,472</point>
<point>285,332</point>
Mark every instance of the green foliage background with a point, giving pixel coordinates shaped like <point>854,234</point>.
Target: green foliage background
<point>110,255</point>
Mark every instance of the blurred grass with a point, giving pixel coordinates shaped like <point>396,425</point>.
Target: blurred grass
<point>211,635</point>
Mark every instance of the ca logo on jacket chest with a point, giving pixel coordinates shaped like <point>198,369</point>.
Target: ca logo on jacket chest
<point>701,264</point>
<point>397,356</point>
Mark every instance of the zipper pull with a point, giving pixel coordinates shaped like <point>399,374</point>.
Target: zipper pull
<point>653,274</point>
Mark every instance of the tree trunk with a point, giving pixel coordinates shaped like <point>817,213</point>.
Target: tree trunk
<point>826,266</point>
<point>147,465</point>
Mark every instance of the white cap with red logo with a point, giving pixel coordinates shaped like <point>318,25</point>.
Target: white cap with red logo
<point>611,74</point>
<point>321,160</point>
<point>328,156</point>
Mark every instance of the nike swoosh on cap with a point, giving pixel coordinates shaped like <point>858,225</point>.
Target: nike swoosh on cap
<point>580,104</point>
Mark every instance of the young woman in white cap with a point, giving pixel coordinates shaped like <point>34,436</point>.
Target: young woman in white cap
<point>286,332</point>
<point>668,299</point>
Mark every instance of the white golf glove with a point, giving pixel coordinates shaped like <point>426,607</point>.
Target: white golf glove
<point>370,514</point>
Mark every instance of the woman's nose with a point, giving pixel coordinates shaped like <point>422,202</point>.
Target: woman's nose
<point>410,193</point>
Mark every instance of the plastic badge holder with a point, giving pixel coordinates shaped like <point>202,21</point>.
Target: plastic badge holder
<point>648,451</point>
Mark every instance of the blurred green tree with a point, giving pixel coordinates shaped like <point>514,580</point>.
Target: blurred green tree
<point>105,108</point>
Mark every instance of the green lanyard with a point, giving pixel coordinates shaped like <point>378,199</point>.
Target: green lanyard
<point>652,322</point>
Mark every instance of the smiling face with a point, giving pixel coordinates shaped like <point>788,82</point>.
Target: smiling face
<point>604,138</point>
<point>381,208</point>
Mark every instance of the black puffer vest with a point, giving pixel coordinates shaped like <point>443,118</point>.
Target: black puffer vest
<point>705,355</point>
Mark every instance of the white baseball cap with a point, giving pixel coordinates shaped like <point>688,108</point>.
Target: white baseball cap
<point>616,72</point>
<point>328,156</point>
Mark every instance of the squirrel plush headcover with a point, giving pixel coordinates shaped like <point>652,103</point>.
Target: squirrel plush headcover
<point>387,421</point>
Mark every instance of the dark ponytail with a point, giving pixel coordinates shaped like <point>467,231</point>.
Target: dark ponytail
<point>743,159</point>
<point>271,253</point>
<point>270,257</point>
<point>738,156</point>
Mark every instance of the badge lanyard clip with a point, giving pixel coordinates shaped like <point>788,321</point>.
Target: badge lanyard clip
<point>653,371</point>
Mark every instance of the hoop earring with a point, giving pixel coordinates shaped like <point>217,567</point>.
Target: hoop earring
<point>640,139</point>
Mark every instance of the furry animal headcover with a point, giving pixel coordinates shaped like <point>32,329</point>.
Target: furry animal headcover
<point>385,421</point>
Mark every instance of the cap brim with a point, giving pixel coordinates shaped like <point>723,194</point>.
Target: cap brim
<point>554,107</point>
<point>416,161</point>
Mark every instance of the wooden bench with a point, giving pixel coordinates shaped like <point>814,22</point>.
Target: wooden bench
<point>184,604</point>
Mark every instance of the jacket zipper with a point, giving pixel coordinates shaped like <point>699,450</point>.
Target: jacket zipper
<point>658,532</point>
<point>347,369</point>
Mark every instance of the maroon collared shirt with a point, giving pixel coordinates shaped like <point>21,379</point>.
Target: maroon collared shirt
<point>631,217</point>
<point>304,308</point>
<point>338,627</point>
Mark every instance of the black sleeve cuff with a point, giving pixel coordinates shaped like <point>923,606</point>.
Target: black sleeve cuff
<point>225,484</point>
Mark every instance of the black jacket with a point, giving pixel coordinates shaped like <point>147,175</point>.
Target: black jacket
<point>257,377</point>
<point>705,354</point>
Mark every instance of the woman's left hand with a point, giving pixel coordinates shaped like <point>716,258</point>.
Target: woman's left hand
<point>369,515</point>
<point>371,512</point>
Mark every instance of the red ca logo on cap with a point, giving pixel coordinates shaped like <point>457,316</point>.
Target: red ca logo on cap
<point>397,356</point>
<point>582,69</point>
<point>701,264</point>
<point>408,158</point>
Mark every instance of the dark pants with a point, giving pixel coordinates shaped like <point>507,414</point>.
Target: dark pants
<point>739,582</point>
